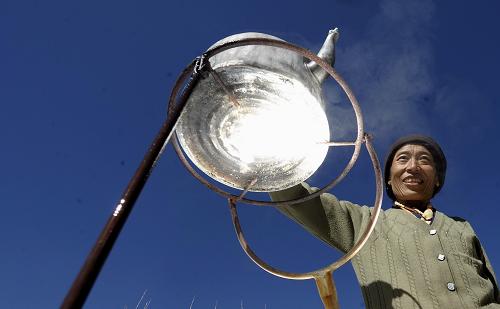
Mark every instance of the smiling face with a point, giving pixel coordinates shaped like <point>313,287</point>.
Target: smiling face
<point>413,174</point>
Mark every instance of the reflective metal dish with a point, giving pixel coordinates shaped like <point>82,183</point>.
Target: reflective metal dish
<point>250,126</point>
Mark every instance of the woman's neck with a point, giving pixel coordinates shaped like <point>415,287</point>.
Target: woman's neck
<point>420,205</point>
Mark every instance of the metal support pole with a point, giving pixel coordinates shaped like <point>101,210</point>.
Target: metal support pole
<point>76,296</point>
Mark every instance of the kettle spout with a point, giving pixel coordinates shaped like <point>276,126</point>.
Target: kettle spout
<point>327,53</point>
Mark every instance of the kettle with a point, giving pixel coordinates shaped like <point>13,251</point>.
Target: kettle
<point>257,121</point>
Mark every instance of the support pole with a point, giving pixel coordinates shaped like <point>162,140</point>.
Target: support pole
<point>327,290</point>
<point>76,296</point>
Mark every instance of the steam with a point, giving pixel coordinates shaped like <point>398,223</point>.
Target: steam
<point>389,70</point>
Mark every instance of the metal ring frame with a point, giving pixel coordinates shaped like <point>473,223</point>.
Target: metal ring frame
<point>349,255</point>
<point>307,54</point>
<point>232,199</point>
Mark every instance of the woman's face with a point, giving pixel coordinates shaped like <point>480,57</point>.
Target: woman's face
<point>413,174</point>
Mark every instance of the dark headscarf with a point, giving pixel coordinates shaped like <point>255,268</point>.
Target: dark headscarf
<point>429,144</point>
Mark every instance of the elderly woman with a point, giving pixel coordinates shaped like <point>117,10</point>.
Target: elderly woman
<point>417,257</point>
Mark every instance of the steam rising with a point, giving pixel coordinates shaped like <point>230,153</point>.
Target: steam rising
<point>390,71</point>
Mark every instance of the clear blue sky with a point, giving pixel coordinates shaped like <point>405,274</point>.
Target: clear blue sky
<point>83,91</point>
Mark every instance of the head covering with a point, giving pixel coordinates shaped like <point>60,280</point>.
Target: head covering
<point>429,144</point>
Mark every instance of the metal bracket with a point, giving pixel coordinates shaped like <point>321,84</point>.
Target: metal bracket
<point>201,66</point>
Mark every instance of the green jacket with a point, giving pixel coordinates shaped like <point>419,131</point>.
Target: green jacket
<point>406,263</point>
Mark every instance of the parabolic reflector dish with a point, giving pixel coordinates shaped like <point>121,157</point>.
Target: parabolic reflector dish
<point>272,136</point>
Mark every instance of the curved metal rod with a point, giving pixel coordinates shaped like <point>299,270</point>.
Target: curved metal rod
<point>376,210</point>
<point>257,260</point>
<point>311,56</point>
<point>349,255</point>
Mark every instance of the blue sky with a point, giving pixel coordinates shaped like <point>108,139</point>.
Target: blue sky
<point>83,91</point>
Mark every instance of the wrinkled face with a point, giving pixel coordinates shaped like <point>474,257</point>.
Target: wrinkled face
<point>413,174</point>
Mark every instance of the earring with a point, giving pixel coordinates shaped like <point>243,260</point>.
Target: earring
<point>389,183</point>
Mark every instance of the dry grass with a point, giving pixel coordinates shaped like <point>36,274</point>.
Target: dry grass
<point>146,304</point>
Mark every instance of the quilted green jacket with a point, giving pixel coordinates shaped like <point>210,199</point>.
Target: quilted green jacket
<point>406,263</point>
